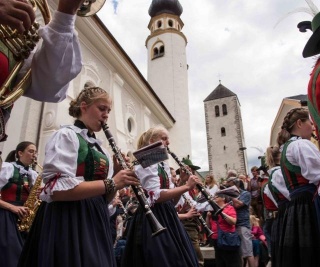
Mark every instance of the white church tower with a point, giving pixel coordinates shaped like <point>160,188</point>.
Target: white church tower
<point>168,69</point>
<point>225,138</point>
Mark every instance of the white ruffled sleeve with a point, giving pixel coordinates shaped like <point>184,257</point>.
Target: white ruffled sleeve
<point>56,62</point>
<point>6,173</point>
<point>278,182</point>
<point>268,193</point>
<point>60,165</point>
<point>150,181</point>
<point>306,155</point>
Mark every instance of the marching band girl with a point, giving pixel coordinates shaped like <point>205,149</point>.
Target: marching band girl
<point>72,225</point>
<point>173,246</point>
<point>16,178</point>
<point>300,164</point>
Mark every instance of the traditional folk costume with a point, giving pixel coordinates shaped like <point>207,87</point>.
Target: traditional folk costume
<point>172,247</point>
<point>279,196</point>
<point>269,208</point>
<point>15,183</point>
<point>54,64</point>
<point>312,48</point>
<point>300,240</point>
<point>71,233</point>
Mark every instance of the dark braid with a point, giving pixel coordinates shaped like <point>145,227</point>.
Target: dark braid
<point>289,121</point>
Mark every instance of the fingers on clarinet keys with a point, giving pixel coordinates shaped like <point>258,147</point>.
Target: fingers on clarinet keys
<point>192,181</point>
<point>125,178</point>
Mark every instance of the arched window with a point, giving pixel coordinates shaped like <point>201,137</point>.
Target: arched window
<point>224,109</point>
<point>170,23</point>
<point>155,52</point>
<point>129,125</point>
<point>159,24</point>
<point>223,131</point>
<point>158,50</point>
<point>217,111</point>
<point>161,52</point>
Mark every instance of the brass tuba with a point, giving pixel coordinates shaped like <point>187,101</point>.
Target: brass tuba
<point>21,46</point>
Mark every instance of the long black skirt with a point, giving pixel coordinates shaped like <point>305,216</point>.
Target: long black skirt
<point>75,233</point>
<point>11,241</point>
<point>276,230</point>
<point>299,243</point>
<point>172,247</point>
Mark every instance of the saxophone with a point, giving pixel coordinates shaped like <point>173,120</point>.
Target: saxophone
<point>32,203</point>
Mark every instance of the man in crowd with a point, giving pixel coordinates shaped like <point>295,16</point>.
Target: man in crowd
<point>254,187</point>
<point>192,225</point>
<point>242,206</point>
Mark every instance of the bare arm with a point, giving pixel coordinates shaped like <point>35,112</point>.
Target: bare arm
<point>21,211</point>
<point>190,214</point>
<point>237,203</point>
<point>95,188</point>
<point>176,192</point>
<point>230,220</point>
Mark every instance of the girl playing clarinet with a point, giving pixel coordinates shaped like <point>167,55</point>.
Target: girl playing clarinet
<point>173,246</point>
<point>72,225</point>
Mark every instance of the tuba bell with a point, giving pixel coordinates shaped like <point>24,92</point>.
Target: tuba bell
<point>21,45</point>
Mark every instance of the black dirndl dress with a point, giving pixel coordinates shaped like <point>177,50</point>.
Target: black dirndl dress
<point>276,230</point>
<point>172,247</point>
<point>299,243</point>
<point>73,233</point>
<point>11,241</point>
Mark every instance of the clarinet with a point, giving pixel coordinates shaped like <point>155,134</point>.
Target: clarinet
<point>202,221</point>
<point>156,227</point>
<point>216,208</point>
<point>125,211</point>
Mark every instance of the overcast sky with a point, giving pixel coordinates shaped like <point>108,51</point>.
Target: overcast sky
<point>235,41</point>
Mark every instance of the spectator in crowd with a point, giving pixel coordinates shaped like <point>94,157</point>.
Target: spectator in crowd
<point>257,238</point>
<point>227,221</point>
<point>254,189</point>
<point>242,206</point>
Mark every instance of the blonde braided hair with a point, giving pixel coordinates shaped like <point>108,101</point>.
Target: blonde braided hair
<point>87,95</point>
<point>149,135</point>
<point>273,156</point>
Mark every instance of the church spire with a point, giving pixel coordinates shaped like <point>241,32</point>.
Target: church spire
<point>158,7</point>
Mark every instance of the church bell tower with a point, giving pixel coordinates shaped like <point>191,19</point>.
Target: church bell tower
<point>168,68</point>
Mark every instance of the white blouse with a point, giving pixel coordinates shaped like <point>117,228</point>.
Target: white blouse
<point>268,193</point>
<point>278,182</point>
<point>305,154</point>
<point>56,61</point>
<point>212,190</point>
<point>150,180</point>
<point>61,155</point>
<point>200,207</point>
<point>7,171</point>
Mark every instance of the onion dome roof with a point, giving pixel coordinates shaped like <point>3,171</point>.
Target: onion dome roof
<point>158,7</point>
